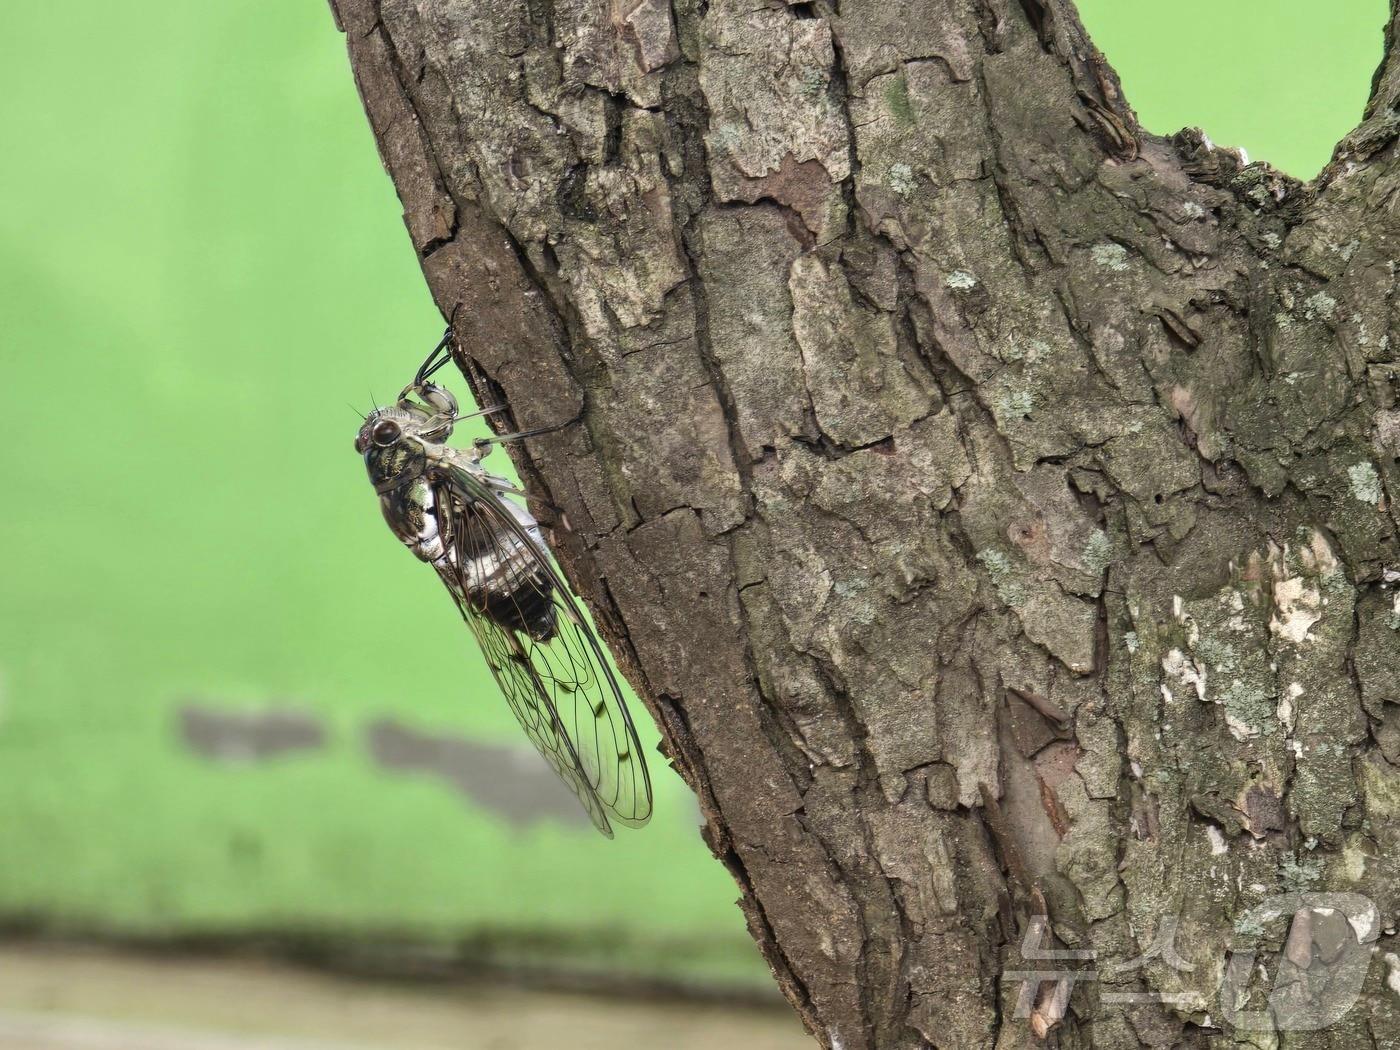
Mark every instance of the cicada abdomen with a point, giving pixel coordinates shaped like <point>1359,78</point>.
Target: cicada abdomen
<point>499,575</point>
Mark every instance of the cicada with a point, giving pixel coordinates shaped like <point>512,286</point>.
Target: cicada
<point>489,552</point>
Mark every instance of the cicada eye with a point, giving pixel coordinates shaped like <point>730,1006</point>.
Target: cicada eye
<point>385,432</point>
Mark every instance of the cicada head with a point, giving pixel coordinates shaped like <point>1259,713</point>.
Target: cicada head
<point>394,439</point>
<point>393,442</point>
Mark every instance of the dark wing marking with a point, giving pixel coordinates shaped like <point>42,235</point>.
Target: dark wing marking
<point>561,689</point>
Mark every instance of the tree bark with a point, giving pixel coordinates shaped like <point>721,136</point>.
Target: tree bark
<point>989,499</point>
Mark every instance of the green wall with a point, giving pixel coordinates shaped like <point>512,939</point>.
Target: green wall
<point>202,266</point>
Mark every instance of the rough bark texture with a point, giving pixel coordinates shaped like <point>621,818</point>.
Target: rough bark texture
<point>991,500</point>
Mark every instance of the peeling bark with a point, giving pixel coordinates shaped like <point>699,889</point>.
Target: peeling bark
<point>990,500</point>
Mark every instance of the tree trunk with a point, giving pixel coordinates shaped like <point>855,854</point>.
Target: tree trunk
<point>989,499</point>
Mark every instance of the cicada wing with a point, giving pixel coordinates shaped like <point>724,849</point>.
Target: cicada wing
<point>510,665</point>
<point>543,652</point>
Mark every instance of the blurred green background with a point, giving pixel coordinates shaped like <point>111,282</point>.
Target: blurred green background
<point>215,662</point>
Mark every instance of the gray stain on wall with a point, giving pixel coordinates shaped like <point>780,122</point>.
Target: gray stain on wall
<point>249,735</point>
<point>511,782</point>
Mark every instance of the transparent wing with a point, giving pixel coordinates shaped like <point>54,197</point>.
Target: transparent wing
<point>543,653</point>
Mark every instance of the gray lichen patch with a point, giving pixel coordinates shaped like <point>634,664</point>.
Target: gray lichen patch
<point>1013,405</point>
<point>902,181</point>
<point>1097,554</point>
<point>1320,305</point>
<point>1110,256</point>
<point>1010,589</point>
<point>1365,483</point>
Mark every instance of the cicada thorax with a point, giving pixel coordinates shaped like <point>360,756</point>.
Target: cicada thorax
<point>499,575</point>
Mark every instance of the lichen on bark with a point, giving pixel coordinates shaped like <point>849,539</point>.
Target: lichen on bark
<point>991,500</point>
